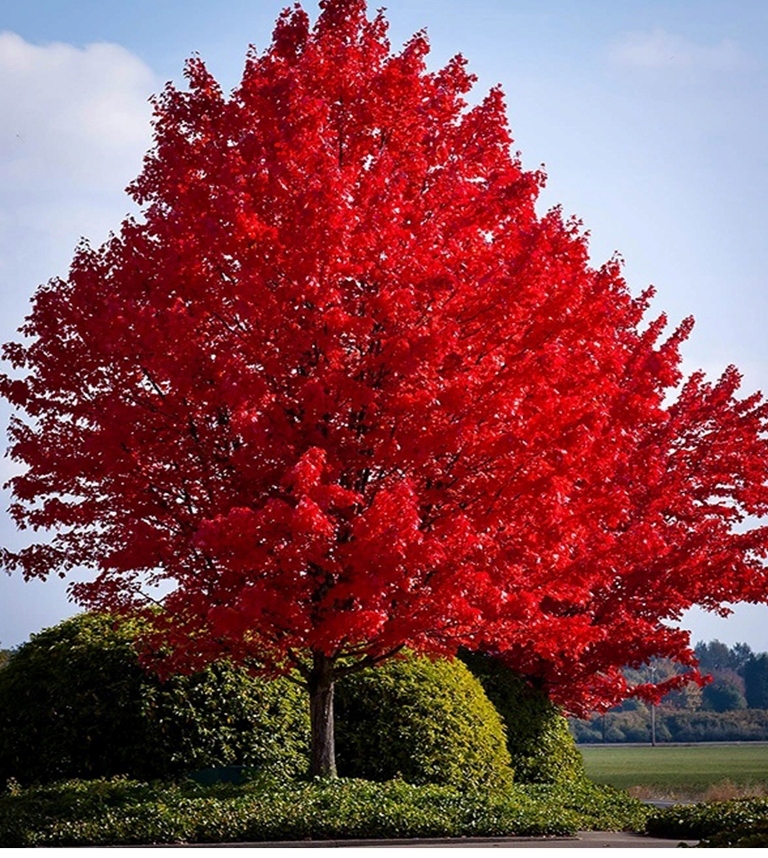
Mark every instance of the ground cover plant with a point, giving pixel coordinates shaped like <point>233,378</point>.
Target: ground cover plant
<point>683,771</point>
<point>742,822</point>
<point>118,811</point>
<point>340,390</point>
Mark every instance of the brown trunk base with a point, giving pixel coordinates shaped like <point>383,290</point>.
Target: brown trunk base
<point>323,751</point>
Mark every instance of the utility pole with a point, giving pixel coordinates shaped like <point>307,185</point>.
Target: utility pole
<point>653,709</point>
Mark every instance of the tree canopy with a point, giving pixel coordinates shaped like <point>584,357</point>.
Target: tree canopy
<point>341,389</point>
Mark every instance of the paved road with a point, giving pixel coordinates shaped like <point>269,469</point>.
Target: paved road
<point>584,840</point>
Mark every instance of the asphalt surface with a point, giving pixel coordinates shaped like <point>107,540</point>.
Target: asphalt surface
<point>583,840</point>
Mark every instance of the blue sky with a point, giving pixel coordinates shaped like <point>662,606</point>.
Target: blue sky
<point>651,119</point>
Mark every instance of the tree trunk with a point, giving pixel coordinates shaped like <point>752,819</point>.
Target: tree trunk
<point>323,753</point>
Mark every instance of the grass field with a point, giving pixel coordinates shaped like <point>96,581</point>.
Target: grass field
<point>679,770</point>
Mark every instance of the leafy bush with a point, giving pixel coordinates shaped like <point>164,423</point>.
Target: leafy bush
<point>111,812</point>
<point>74,702</point>
<point>427,721</point>
<point>742,822</point>
<point>598,807</point>
<point>752,836</point>
<point>540,745</point>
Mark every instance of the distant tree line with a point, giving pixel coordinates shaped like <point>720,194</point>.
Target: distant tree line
<point>732,707</point>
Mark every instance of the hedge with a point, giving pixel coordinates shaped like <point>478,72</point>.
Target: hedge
<point>740,822</point>
<point>427,721</point>
<point>540,745</point>
<point>74,702</point>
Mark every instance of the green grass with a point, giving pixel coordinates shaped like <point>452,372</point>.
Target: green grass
<point>682,769</point>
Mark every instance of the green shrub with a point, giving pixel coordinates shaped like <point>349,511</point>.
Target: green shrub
<point>74,702</point>
<point>598,807</point>
<point>540,745</point>
<point>740,822</point>
<point>118,811</point>
<point>427,721</point>
<point>751,836</point>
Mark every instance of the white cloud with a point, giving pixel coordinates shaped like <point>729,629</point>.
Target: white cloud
<point>70,113</point>
<point>663,51</point>
<point>75,127</point>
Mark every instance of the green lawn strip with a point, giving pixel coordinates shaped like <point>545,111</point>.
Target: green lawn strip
<point>686,768</point>
<point>118,811</point>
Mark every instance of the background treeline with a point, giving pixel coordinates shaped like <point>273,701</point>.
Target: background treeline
<point>732,708</point>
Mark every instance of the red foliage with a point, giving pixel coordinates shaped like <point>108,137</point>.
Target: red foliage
<point>345,390</point>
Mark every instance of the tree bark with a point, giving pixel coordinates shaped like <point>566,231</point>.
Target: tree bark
<point>323,752</point>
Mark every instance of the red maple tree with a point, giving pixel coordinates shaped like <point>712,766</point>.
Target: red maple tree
<point>341,390</point>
